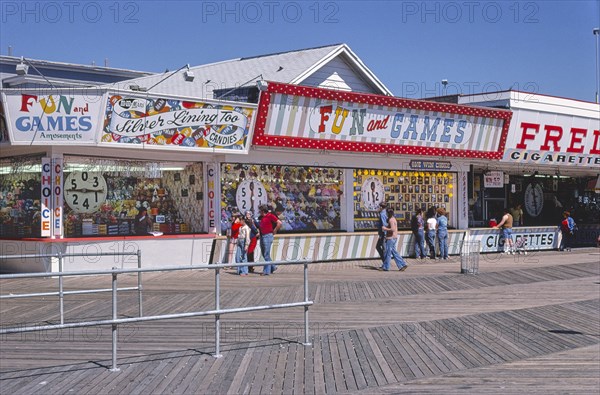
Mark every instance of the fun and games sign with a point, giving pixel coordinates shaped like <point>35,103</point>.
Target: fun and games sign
<point>175,123</point>
<point>303,117</point>
<point>56,117</point>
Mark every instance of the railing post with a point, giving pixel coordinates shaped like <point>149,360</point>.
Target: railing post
<point>306,331</point>
<point>114,326</point>
<point>139,262</point>
<point>61,295</point>
<point>217,316</point>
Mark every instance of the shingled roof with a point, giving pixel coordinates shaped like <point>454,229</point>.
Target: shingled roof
<point>294,67</point>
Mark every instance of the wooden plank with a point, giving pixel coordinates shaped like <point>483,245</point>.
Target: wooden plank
<point>327,364</point>
<point>290,368</point>
<point>264,383</point>
<point>308,374</point>
<point>422,348</point>
<point>336,362</point>
<point>354,375</point>
<point>398,359</point>
<point>387,375</point>
<point>362,361</point>
<point>236,381</point>
<point>318,368</point>
<point>449,359</point>
<point>346,367</point>
<point>439,330</point>
<point>420,365</point>
<point>299,369</point>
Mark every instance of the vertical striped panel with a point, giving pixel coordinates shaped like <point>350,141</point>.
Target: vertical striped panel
<point>479,133</point>
<point>291,123</point>
<point>488,134</point>
<point>280,116</point>
<point>303,121</point>
<point>335,247</point>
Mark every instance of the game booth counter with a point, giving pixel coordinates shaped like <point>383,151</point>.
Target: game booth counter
<point>325,159</point>
<point>96,171</point>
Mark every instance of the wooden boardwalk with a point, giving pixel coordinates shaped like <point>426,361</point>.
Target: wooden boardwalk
<point>524,323</point>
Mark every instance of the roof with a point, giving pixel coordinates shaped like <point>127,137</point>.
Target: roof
<point>59,73</point>
<point>292,67</point>
<point>516,100</point>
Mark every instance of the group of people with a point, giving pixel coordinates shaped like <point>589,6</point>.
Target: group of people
<point>247,232</point>
<point>435,224</point>
<point>426,229</point>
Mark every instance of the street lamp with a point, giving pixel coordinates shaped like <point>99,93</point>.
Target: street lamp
<point>444,85</point>
<point>596,32</point>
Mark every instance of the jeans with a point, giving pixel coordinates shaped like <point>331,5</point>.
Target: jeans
<point>419,244</point>
<point>443,239</point>
<point>380,247</point>
<point>508,240</point>
<point>241,256</point>
<point>567,240</point>
<point>265,246</point>
<point>431,243</point>
<point>390,251</point>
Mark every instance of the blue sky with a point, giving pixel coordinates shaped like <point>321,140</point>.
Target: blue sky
<point>538,46</point>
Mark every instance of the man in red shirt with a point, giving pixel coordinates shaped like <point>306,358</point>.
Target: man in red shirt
<point>269,225</point>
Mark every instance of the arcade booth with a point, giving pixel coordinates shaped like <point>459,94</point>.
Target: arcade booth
<point>550,164</point>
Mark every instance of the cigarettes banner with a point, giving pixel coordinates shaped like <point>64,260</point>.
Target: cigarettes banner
<point>547,138</point>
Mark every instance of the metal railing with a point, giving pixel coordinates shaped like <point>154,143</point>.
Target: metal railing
<point>61,292</point>
<point>114,322</point>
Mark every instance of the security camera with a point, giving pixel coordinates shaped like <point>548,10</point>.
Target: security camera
<point>444,82</point>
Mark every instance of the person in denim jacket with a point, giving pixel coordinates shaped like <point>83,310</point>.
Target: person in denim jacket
<point>418,228</point>
<point>442,232</point>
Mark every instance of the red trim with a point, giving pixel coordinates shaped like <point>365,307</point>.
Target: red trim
<point>260,139</point>
<point>114,238</point>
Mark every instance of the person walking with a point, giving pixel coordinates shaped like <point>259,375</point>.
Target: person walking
<point>269,225</point>
<point>243,242</point>
<point>567,228</point>
<point>442,232</point>
<point>391,238</point>
<point>431,226</point>
<point>506,225</point>
<point>417,225</point>
<point>254,235</point>
<point>383,220</point>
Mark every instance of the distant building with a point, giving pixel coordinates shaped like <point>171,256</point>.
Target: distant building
<point>16,72</point>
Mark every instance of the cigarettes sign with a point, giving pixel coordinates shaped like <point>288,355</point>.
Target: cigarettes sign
<point>553,139</point>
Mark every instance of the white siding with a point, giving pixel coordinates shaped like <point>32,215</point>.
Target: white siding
<point>338,74</point>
